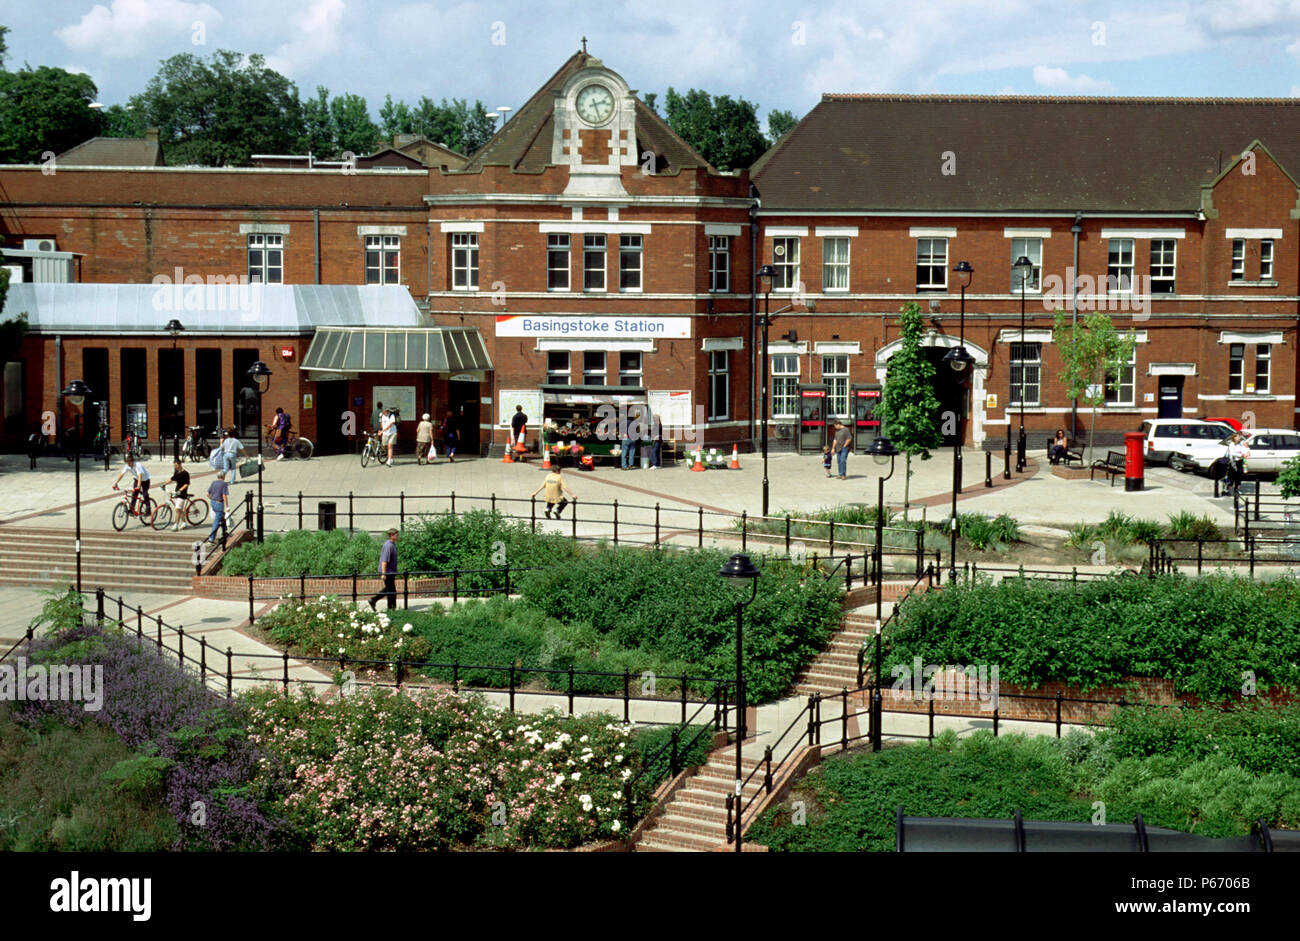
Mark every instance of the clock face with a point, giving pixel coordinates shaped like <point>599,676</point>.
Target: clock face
<point>595,104</point>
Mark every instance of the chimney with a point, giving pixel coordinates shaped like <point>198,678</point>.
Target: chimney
<point>151,135</point>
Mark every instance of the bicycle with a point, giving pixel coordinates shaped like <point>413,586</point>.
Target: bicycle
<point>373,450</point>
<point>196,446</point>
<point>296,446</point>
<point>196,509</point>
<point>123,512</point>
<point>134,447</point>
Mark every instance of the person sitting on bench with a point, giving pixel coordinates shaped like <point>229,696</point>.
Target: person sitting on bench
<point>1060,446</point>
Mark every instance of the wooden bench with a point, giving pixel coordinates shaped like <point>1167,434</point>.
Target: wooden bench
<point>1113,466</point>
<point>1075,457</point>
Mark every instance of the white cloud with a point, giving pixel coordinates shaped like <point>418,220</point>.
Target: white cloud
<point>1295,91</point>
<point>1225,17</point>
<point>316,35</point>
<point>130,28</point>
<point>1060,80</point>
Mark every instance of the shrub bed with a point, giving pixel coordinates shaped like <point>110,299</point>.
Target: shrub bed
<point>1206,634</point>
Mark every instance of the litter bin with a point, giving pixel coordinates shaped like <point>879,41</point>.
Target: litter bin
<point>1134,460</point>
<point>326,515</point>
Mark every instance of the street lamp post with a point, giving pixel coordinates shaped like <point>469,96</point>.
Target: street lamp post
<point>740,567</point>
<point>260,373</point>
<point>883,452</point>
<point>1024,268</point>
<point>960,360</point>
<point>766,274</point>
<point>76,392</point>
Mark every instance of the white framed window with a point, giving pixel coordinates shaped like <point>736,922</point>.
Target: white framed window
<point>835,373</point>
<point>835,264</point>
<point>1031,248</point>
<point>1236,367</point>
<point>464,261</point>
<point>593,367</point>
<point>784,368</point>
<point>1238,260</point>
<point>1119,267</point>
<point>593,262</point>
<point>719,384</point>
<point>266,259</point>
<point>1266,259</point>
<point>557,367</point>
<point>931,264</point>
<point>557,262</point>
<point>720,263</point>
<point>1122,392</point>
<point>383,257</point>
<point>785,258</point>
<point>629,368</point>
<point>1026,373</point>
<point>1263,367</point>
<point>629,262</point>
<point>1163,256</point>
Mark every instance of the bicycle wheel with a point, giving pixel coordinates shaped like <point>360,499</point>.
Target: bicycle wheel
<point>197,512</point>
<point>304,448</point>
<point>120,517</point>
<point>146,513</point>
<point>146,454</point>
<point>365,455</point>
<point>161,517</point>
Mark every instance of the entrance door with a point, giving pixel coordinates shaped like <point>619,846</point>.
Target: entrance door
<point>171,393</point>
<point>331,403</point>
<point>464,404</point>
<point>207,387</point>
<point>1171,397</point>
<point>950,390</point>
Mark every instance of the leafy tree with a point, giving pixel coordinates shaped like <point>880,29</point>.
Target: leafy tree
<point>651,100</point>
<point>477,129</point>
<point>780,122</point>
<point>122,122</point>
<point>354,131</point>
<point>723,130</point>
<point>220,111</point>
<point>909,409</point>
<point>3,56</point>
<point>318,125</point>
<point>1288,479</point>
<point>395,118</point>
<point>1093,352</point>
<point>44,109</point>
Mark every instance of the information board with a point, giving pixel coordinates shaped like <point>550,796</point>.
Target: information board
<point>401,398</point>
<point>530,399</point>
<point>673,409</point>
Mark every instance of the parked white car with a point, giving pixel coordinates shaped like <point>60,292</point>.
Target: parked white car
<point>1268,449</point>
<point>1184,442</point>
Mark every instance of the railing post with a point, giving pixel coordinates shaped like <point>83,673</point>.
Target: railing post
<point>493,498</point>
<point>988,468</point>
<point>139,622</point>
<point>1256,500</point>
<point>570,689</point>
<point>1059,697</point>
<point>203,660</point>
<point>920,553</point>
<point>302,587</point>
<point>627,694</point>
<point>656,522</point>
<point>99,607</point>
<point>700,544</point>
<point>180,643</point>
<point>1250,540</point>
<point>844,718</point>
<point>730,825</point>
<point>616,521</point>
<point>830,553</point>
<point>455,586</point>
<point>1006,459</point>
<point>230,673</point>
<point>812,721</point>
<point>744,547</point>
<point>532,511</point>
<point>158,627</point>
<point>848,572</point>
<point>683,689</point>
<point>1199,554</point>
<point>767,769</point>
<point>512,687</point>
<point>300,509</point>
<point>787,534</point>
<point>453,503</point>
<point>931,711</point>
<point>995,721</point>
<point>674,756</point>
<point>406,590</point>
<point>401,509</point>
<point>251,613</point>
<point>285,674</point>
<point>354,587</point>
<point>573,520</point>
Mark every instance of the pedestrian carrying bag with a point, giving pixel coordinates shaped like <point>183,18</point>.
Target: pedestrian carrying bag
<point>214,459</point>
<point>249,469</point>
<point>433,450</point>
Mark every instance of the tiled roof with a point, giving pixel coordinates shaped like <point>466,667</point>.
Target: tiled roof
<point>887,152</point>
<point>113,152</point>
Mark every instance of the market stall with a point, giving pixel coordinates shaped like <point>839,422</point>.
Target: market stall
<point>583,422</point>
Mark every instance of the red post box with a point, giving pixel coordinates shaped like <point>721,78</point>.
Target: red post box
<point>1134,461</point>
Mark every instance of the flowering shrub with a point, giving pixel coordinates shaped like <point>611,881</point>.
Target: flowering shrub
<point>402,770</point>
<point>330,627</point>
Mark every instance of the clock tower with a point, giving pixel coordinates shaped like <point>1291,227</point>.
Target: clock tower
<point>595,131</point>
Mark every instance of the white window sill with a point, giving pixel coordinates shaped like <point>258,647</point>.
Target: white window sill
<point>1252,284</point>
<point>1251,397</point>
<point>1121,409</point>
<point>1029,409</point>
<point>629,291</point>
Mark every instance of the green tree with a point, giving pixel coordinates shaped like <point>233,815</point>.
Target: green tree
<point>3,55</point>
<point>478,127</point>
<point>318,137</point>
<point>1288,479</point>
<point>909,409</point>
<point>44,109</point>
<point>355,132</point>
<point>724,131</point>
<point>220,111</point>
<point>651,100</point>
<point>395,118</point>
<point>1093,353</point>
<point>778,123</point>
<point>122,122</point>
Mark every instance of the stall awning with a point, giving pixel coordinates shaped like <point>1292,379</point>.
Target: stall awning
<point>594,395</point>
<point>415,349</point>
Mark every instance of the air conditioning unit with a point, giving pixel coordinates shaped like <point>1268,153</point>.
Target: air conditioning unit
<point>15,273</point>
<point>39,245</point>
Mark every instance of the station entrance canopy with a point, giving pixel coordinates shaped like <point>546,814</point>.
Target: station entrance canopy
<point>388,349</point>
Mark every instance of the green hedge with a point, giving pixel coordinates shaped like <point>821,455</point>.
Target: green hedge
<point>478,539</point>
<point>1205,634</point>
<point>316,553</point>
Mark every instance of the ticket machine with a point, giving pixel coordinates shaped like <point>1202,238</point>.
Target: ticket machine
<point>812,418</point>
<point>866,426</point>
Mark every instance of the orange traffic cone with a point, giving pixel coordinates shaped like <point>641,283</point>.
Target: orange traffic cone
<point>735,458</point>
<point>508,459</point>
<point>698,466</point>
<point>546,458</point>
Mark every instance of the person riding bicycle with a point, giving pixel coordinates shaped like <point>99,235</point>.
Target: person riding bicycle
<point>181,497</point>
<point>280,426</point>
<point>140,474</point>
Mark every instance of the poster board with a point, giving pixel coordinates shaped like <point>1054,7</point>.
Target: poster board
<point>401,398</point>
<point>673,409</point>
<point>530,399</point>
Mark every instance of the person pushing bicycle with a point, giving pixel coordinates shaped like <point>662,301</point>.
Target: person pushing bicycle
<point>140,475</point>
<point>181,496</point>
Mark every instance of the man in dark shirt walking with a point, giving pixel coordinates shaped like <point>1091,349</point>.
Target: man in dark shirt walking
<point>518,422</point>
<point>388,570</point>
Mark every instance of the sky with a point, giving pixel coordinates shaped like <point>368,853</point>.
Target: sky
<point>775,54</point>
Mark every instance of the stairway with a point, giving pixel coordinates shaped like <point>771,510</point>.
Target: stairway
<point>137,559</point>
<point>695,819</point>
<point>836,667</point>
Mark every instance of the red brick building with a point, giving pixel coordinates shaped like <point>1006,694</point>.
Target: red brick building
<point>587,245</point>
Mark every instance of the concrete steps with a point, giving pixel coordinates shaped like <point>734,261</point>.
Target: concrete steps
<point>695,819</point>
<point>139,559</point>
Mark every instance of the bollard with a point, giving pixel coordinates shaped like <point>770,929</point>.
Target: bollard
<point>988,468</point>
<point>1006,458</point>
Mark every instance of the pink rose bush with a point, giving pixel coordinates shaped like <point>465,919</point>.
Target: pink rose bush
<point>332,627</point>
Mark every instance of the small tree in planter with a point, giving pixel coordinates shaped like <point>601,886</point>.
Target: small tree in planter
<point>1288,478</point>
<point>1093,353</point>
<point>909,409</point>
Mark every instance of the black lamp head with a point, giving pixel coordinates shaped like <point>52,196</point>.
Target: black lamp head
<point>739,566</point>
<point>964,269</point>
<point>77,392</point>
<point>882,450</point>
<point>767,271</point>
<point>174,326</point>
<point>959,358</point>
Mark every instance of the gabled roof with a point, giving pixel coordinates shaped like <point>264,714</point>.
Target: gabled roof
<point>113,152</point>
<point>1036,154</point>
<point>524,142</point>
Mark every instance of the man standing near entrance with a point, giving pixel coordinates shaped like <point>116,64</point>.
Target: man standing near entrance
<point>388,571</point>
<point>518,422</point>
<point>841,446</point>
